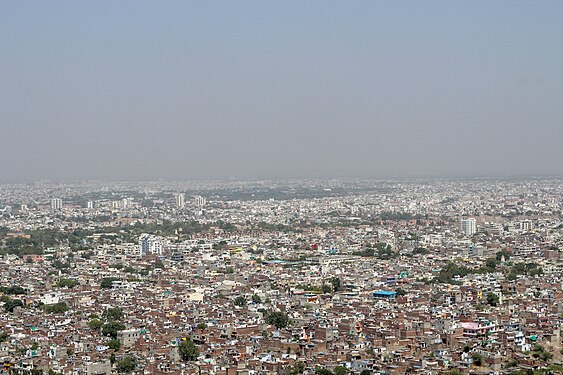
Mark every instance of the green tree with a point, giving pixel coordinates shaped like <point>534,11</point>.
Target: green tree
<point>340,370</point>
<point>110,329</point>
<point>420,250</point>
<point>278,319</point>
<point>449,271</point>
<point>256,299</point>
<point>240,301</point>
<point>477,359</point>
<point>67,283</point>
<point>400,292</point>
<point>322,371</point>
<point>512,363</point>
<point>502,253</point>
<point>60,265</point>
<point>492,299</point>
<point>512,276</point>
<point>13,290</point>
<point>298,368</point>
<point>127,364</point>
<point>490,265</point>
<point>95,324</point>
<point>114,344</point>
<point>113,314</point>
<point>10,304</point>
<point>365,372</point>
<point>55,308</point>
<point>107,282</point>
<point>541,353</point>
<point>4,336</point>
<point>188,350</point>
<point>335,281</point>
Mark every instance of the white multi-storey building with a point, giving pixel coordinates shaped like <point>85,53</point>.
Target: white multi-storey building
<point>200,201</point>
<point>150,244</point>
<point>180,200</point>
<point>526,225</point>
<point>468,226</point>
<point>56,204</point>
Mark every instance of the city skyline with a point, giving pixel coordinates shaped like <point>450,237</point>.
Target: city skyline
<point>290,277</point>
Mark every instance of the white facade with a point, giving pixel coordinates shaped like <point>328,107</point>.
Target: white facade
<point>180,200</point>
<point>468,226</point>
<point>125,203</point>
<point>150,244</point>
<point>200,201</point>
<point>51,298</point>
<point>129,249</point>
<point>56,204</point>
<point>526,225</point>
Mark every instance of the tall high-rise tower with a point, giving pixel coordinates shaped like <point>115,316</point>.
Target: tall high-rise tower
<point>180,200</point>
<point>468,226</point>
<point>56,204</point>
<point>200,201</point>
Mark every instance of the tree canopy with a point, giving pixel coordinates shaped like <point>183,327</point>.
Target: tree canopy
<point>110,329</point>
<point>278,319</point>
<point>127,364</point>
<point>188,350</point>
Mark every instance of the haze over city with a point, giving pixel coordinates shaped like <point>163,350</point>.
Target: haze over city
<point>184,90</point>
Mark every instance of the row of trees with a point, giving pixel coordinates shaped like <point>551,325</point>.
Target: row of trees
<point>299,368</point>
<point>56,308</point>
<point>77,239</point>
<point>277,319</point>
<point>381,250</point>
<point>12,290</point>
<point>10,303</point>
<point>328,286</point>
<point>242,301</point>
<point>67,283</point>
<point>451,269</point>
<point>40,239</point>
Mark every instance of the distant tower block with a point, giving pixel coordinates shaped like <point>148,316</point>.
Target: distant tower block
<point>56,204</point>
<point>180,200</point>
<point>200,201</point>
<point>468,226</point>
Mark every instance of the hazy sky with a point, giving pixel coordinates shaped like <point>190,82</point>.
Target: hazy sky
<point>218,89</point>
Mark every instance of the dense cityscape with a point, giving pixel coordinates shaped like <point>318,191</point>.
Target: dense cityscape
<point>291,187</point>
<point>340,276</point>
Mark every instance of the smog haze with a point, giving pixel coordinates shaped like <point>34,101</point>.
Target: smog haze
<point>292,89</point>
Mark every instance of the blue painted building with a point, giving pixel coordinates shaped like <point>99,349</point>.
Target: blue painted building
<point>383,294</point>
